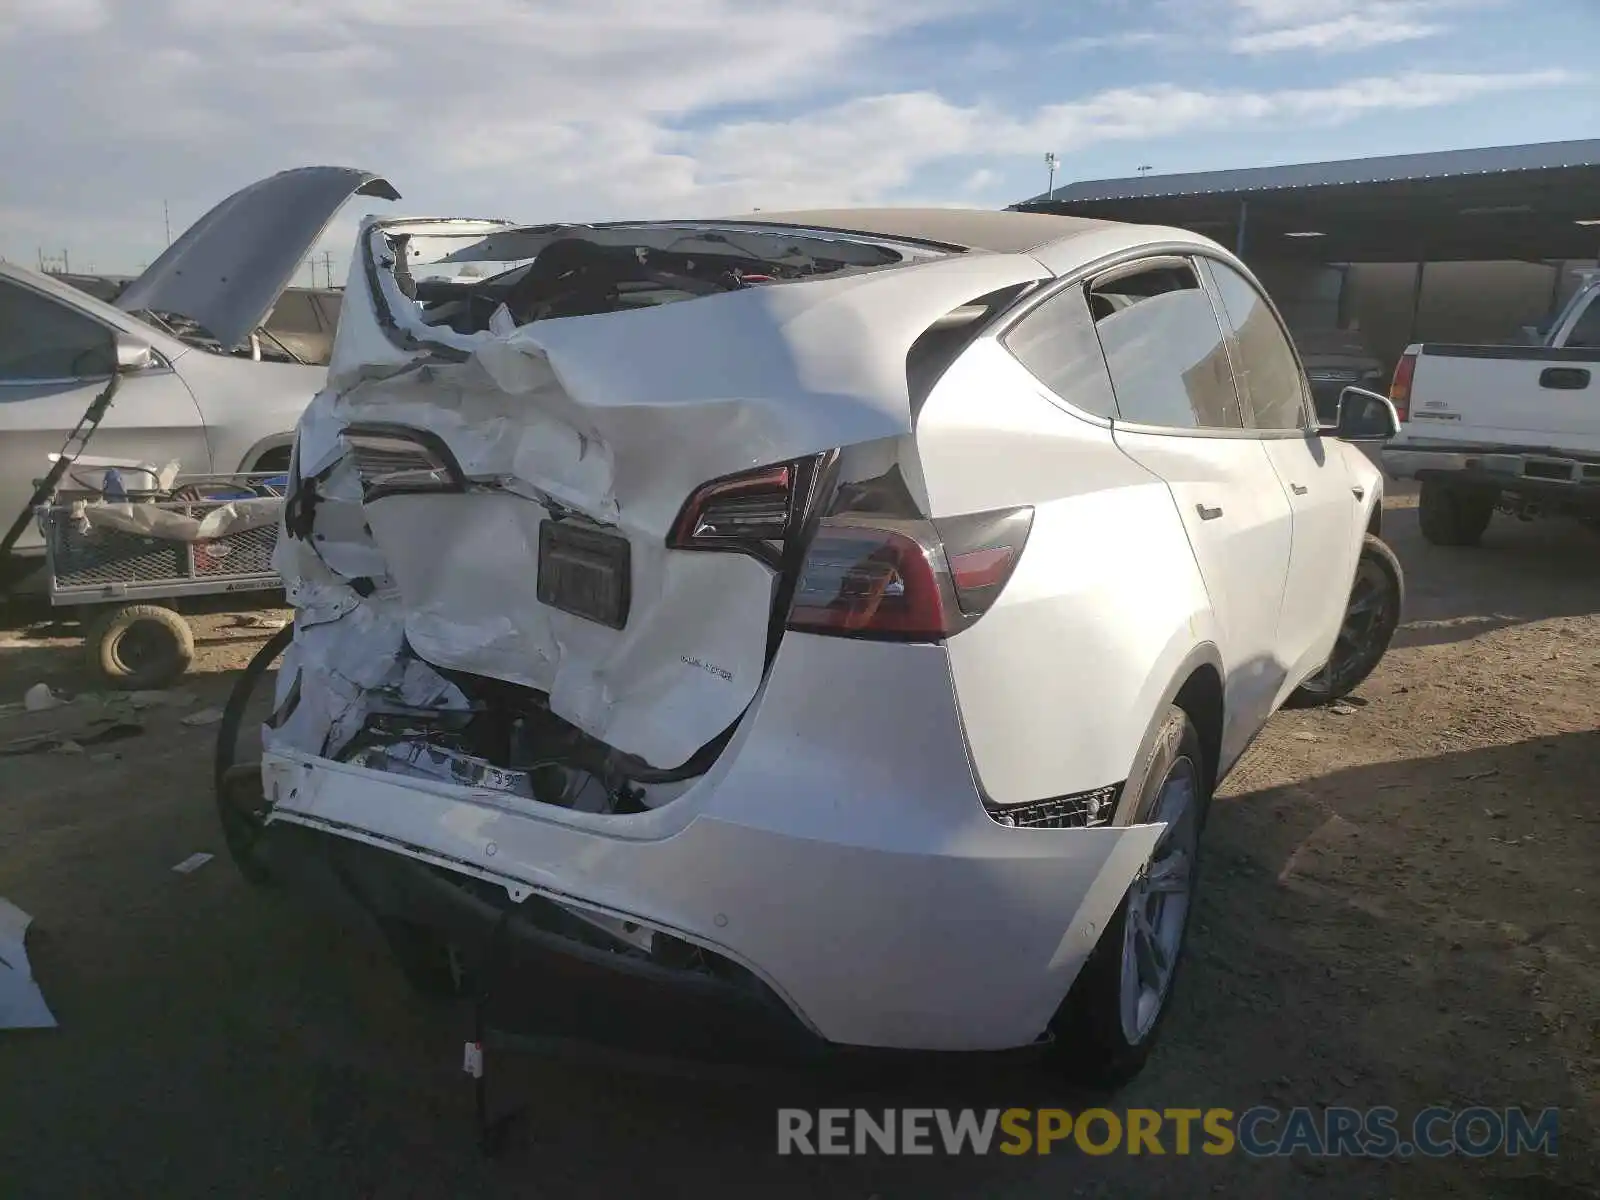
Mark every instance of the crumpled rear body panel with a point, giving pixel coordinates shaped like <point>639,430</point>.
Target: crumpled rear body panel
<point>618,417</point>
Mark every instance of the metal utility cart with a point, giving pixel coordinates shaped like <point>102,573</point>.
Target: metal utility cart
<point>128,553</point>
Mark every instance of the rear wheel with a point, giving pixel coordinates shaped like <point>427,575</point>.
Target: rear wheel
<point>1454,516</point>
<point>1108,1024</point>
<point>1370,619</point>
<point>241,802</point>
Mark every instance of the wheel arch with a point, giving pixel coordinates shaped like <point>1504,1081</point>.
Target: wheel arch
<point>1196,686</point>
<point>264,447</point>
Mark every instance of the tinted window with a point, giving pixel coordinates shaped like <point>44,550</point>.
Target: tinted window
<point>1168,360</point>
<point>41,339</point>
<point>1056,342</point>
<point>1586,330</point>
<point>1269,376</point>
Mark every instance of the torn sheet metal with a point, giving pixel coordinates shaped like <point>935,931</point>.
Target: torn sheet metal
<point>618,417</point>
<point>22,1004</point>
<point>172,524</point>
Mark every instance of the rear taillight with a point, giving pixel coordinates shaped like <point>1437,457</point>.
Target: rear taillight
<point>1400,388</point>
<point>759,512</point>
<point>755,505</point>
<point>906,579</point>
<point>397,459</point>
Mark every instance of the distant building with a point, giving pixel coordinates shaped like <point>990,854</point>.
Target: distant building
<point>1458,245</point>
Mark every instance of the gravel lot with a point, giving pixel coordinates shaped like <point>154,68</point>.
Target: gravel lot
<point>1400,908</point>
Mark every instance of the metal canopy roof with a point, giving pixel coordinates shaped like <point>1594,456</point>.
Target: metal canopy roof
<point>1503,202</point>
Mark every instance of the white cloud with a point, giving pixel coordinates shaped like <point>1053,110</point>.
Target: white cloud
<point>574,110</point>
<point>35,18</point>
<point>865,149</point>
<point>1342,26</point>
<point>1126,40</point>
<point>1350,32</point>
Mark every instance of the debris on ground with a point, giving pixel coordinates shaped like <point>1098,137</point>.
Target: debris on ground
<point>193,863</point>
<point>1342,709</point>
<point>39,743</point>
<point>159,698</point>
<point>22,1004</point>
<point>258,621</point>
<point>206,716</point>
<point>39,698</point>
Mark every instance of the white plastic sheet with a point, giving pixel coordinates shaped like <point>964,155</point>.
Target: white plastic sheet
<point>160,521</point>
<point>22,1004</point>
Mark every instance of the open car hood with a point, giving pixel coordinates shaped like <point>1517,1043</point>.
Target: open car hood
<point>229,268</point>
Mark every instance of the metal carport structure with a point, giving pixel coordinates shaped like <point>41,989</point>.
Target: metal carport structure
<point>1533,203</point>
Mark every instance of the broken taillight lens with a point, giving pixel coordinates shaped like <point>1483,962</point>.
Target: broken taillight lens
<point>761,512</point>
<point>756,505</point>
<point>392,459</point>
<point>906,579</point>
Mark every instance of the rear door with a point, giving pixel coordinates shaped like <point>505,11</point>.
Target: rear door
<point>1326,511</point>
<point>1180,416</point>
<point>54,360</point>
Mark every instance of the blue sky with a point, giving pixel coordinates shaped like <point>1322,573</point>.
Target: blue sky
<point>591,109</point>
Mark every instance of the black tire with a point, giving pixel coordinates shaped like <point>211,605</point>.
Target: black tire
<point>140,646</point>
<point>1454,516</point>
<point>1092,1044</point>
<point>236,779</point>
<point>1379,568</point>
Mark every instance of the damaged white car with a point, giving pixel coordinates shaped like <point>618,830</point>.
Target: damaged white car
<point>823,627</point>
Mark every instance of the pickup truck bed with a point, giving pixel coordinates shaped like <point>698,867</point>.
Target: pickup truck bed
<point>1513,429</point>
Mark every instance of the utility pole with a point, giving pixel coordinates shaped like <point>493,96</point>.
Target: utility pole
<point>1145,170</point>
<point>327,268</point>
<point>166,219</point>
<point>311,265</point>
<point>1050,165</point>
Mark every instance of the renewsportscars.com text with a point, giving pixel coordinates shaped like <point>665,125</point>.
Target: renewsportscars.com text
<point>1259,1132</point>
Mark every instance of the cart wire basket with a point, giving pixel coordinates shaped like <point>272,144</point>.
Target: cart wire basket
<point>135,554</point>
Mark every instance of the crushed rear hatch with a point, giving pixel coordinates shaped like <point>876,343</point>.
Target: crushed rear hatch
<point>545,512</point>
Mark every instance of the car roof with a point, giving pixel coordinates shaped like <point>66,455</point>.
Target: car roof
<point>999,232</point>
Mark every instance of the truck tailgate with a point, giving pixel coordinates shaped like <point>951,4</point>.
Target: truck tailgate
<point>1506,396</point>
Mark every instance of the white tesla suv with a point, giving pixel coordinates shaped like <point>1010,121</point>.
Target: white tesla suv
<point>820,627</point>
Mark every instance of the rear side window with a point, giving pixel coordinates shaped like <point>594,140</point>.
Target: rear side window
<point>1268,372</point>
<point>1166,351</point>
<point>1056,342</point>
<point>41,339</point>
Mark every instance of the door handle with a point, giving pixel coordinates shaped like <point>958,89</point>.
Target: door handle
<point>1564,379</point>
<point>1208,514</point>
<point>1298,490</point>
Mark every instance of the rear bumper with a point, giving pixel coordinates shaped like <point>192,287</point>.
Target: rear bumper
<point>535,982</point>
<point>837,858</point>
<point>1552,478</point>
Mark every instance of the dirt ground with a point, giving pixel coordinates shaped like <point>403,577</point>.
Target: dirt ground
<point>1400,909</point>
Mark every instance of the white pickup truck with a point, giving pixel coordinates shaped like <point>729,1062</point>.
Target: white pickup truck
<point>1514,429</point>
